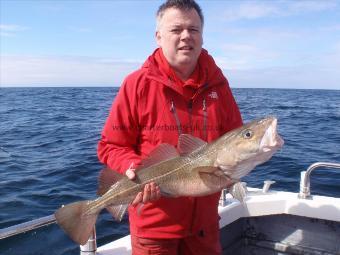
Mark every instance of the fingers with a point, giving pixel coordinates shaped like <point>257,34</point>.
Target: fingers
<point>146,195</point>
<point>151,190</point>
<point>155,192</point>
<point>138,199</point>
<point>130,173</point>
<point>150,193</point>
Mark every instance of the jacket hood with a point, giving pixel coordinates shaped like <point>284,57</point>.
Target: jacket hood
<point>206,73</point>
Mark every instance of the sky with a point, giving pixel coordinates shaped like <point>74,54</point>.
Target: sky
<point>257,44</point>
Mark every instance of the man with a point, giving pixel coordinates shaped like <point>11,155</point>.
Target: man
<point>179,89</point>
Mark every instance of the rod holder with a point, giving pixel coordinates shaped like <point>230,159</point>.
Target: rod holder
<point>90,247</point>
<point>223,199</point>
<point>266,185</point>
<point>305,191</point>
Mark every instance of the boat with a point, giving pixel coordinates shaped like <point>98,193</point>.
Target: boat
<point>266,222</point>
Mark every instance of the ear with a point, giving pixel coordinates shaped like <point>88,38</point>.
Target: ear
<point>158,38</point>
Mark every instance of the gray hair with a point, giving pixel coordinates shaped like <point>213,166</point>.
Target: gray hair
<point>185,5</point>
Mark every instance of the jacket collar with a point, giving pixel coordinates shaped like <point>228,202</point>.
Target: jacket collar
<point>206,74</point>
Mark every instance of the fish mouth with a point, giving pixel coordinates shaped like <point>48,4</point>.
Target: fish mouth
<point>271,140</point>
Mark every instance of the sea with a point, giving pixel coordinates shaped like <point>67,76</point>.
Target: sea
<point>48,140</point>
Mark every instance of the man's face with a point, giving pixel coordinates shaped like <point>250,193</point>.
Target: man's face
<point>180,37</point>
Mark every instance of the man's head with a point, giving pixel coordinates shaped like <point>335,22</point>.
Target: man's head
<point>184,5</point>
<point>179,32</point>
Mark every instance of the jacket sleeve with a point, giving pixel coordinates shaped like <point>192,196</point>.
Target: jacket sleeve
<point>234,118</point>
<point>118,145</point>
<point>235,114</point>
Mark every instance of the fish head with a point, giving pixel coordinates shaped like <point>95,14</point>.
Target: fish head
<point>248,146</point>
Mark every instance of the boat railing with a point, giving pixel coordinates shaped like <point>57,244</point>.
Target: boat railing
<point>305,191</point>
<point>91,246</point>
<point>88,248</point>
<point>27,226</point>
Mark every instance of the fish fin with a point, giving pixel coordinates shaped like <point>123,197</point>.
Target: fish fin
<point>238,191</point>
<point>76,224</point>
<point>209,170</point>
<point>107,177</point>
<point>188,143</point>
<point>162,152</point>
<point>117,211</point>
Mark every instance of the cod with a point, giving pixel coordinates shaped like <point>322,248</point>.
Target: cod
<point>195,168</point>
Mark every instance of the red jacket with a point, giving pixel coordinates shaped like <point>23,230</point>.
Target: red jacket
<point>152,107</point>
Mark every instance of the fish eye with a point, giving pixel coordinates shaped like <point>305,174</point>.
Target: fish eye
<point>247,134</point>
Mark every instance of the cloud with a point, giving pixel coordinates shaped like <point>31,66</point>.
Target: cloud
<point>11,29</point>
<point>63,71</point>
<point>307,77</point>
<point>331,60</point>
<point>242,56</point>
<point>235,56</point>
<point>250,10</point>
<point>295,7</point>
<point>250,66</point>
<point>261,9</point>
<point>331,28</point>
<point>90,71</point>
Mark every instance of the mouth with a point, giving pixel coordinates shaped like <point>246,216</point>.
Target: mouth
<point>271,139</point>
<point>185,48</point>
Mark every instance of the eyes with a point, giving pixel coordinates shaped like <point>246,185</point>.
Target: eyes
<point>180,30</point>
<point>247,134</point>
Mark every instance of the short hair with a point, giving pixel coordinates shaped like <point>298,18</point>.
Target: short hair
<point>185,5</point>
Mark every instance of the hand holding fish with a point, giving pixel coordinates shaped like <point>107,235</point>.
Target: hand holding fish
<point>150,193</point>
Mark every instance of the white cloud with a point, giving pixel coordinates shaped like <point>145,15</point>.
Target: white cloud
<point>262,9</point>
<point>245,56</point>
<point>10,29</point>
<point>331,60</point>
<point>310,6</point>
<point>235,56</point>
<point>253,66</point>
<point>63,71</point>
<point>87,71</point>
<point>331,28</point>
<point>251,10</point>
<point>307,77</point>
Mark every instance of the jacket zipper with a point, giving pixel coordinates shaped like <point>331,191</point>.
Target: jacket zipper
<point>190,114</point>
<point>178,123</point>
<point>205,118</point>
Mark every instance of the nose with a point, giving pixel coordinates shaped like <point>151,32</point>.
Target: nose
<point>185,34</point>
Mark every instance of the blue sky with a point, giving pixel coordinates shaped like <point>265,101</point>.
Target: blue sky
<point>278,44</point>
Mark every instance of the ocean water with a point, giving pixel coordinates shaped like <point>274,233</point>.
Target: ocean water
<point>48,139</point>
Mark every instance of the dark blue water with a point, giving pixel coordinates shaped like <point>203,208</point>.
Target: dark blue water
<point>48,139</point>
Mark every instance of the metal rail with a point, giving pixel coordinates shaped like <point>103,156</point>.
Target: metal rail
<point>27,226</point>
<point>305,178</point>
<point>89,248</point>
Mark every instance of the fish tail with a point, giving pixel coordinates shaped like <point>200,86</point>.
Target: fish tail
<point>76,223</point>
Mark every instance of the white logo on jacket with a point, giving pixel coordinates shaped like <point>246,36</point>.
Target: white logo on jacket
<point>213,95</point>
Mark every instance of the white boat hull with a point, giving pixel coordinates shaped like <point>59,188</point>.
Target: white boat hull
<point>275,222</point>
